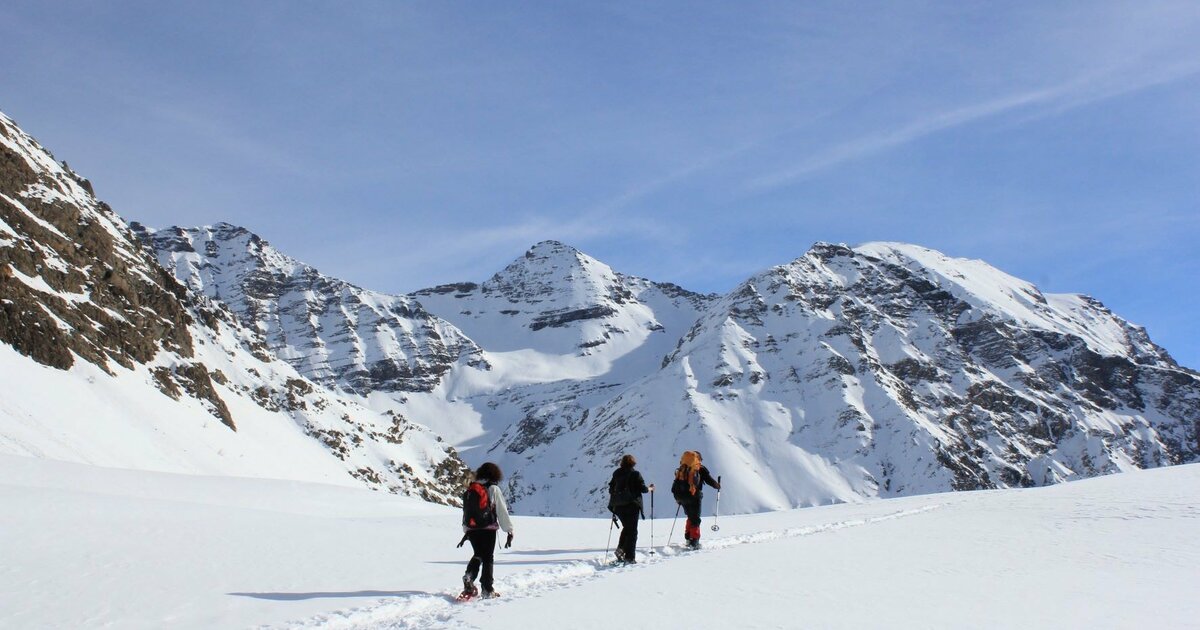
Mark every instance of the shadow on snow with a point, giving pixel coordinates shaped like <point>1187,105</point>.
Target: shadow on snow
<point>289,597</point>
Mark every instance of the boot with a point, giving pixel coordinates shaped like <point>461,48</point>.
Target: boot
<point>469,589</point>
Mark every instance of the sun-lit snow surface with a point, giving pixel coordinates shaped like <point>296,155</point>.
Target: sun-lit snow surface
<point>87,547</point>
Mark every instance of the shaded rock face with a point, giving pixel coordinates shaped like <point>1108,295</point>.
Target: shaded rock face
<point>331,331</point>
<point>74,281</point>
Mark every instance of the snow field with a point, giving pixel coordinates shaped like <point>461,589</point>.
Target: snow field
<point>87,547</point>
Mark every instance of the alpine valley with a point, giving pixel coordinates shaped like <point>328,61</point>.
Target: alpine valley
<point>849,373</point>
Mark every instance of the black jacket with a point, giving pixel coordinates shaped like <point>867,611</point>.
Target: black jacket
<point>631,479</point>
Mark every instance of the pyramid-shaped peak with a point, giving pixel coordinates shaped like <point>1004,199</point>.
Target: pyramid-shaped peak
<point>554,252</point>
<point>225,226</point>
<point>552,255</point>
<point>553,267</point>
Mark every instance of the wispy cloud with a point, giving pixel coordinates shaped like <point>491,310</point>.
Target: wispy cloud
<point>222,136</point>
<point>473,254</point>
<point>1039,103</point>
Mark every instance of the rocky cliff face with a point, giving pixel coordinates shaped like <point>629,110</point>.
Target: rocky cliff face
<point>75,282</point>
<point>331,331</point>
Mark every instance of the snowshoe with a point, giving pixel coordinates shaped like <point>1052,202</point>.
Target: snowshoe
<point>489,595</point>
<point>469,591</point>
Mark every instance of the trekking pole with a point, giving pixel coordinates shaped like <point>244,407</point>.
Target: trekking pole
<point>717,507</point>
<point>678,506</point>
<point>652,522</point>
<point>608,545</point>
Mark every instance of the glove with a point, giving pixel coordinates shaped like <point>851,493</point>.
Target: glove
<point>508,543</point>
<point>464,539</point>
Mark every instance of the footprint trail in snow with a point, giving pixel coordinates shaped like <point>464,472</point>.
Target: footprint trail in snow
<point>438,610</point>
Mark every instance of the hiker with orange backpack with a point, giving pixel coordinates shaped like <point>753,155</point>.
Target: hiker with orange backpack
<point>484,513</point>
<point>687,489</point>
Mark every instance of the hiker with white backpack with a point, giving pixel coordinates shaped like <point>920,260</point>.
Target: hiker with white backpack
<point>484,513</point>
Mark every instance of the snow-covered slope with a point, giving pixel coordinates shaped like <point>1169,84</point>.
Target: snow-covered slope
<point>85,547</point>
<point>108,360</point>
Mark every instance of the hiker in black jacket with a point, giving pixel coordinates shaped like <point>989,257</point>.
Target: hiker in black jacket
<point>625,502</point>
<point>688,488</point>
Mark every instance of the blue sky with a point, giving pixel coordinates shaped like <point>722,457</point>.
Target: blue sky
<point>400,146</point>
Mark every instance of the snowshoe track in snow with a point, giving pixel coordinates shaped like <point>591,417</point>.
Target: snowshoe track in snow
<point>441,609</point>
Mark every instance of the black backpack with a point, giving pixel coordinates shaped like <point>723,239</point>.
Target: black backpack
<point>478,510</point>
<point>619,493</point>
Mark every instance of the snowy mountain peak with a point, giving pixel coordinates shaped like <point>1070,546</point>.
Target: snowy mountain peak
<point>554,273</point>
<point>559,301</point>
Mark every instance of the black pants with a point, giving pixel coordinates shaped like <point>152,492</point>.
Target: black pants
<point>692,510</point>
<point>483,543</point>
<point>629,524</point>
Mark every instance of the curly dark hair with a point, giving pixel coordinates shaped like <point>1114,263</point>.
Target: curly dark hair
<point>628,461</point>
<point>489,471</point>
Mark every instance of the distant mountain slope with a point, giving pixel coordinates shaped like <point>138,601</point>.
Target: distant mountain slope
<point>331,331</point>
<point>891,369</point>
<point>882,370</point>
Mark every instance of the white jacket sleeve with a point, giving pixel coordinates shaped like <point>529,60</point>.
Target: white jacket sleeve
<point>501,509</point>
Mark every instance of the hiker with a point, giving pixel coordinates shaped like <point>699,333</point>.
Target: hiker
<point>484,513</point>
<point>625,502</point>
<point>687,489</point>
